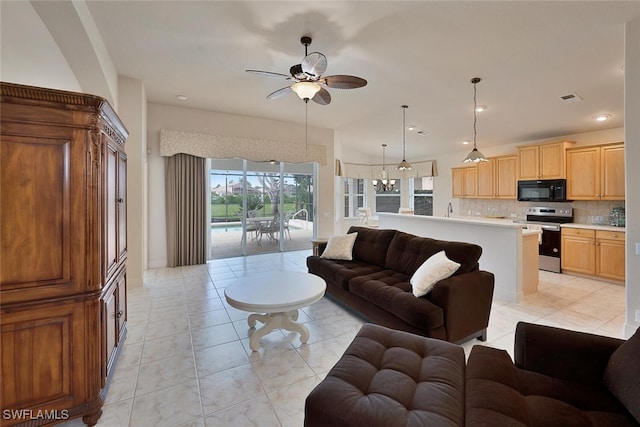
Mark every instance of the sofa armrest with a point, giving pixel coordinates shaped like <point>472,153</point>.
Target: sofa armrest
<point>562,353</point>
<point>465,300</point>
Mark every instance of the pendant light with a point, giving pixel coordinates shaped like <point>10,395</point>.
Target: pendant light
<point>384,184</point>
<point>475,156</point>
<point>404,165</point>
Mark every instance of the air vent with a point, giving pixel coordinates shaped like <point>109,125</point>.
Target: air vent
<point>570,98</point>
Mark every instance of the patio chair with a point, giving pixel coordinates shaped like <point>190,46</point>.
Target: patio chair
<point>252,227</point>
<point>285,223</point>
<point>270,228</point>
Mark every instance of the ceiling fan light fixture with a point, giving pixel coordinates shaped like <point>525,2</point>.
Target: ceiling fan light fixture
<point>305,90</point>
<point>475,156</point>
<point>404,165</point>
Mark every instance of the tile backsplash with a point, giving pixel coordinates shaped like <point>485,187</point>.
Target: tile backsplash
<point>584,212</point>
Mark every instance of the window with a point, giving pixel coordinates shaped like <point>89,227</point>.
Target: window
<point>389,201</point>
<point>353,196</point>
<point>422,195</point>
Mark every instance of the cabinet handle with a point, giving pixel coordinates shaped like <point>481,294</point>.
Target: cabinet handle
<point>120,313</point>
<point>120,200</point>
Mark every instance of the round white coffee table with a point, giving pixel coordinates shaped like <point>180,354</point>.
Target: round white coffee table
<point>279,295</point>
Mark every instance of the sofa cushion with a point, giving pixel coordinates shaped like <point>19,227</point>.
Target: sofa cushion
<point>622,375</point>
<point>431,271</point>
<point>340,247</point>
<point>391,291</point>
<point>339,272</point>
<point>372,244</point>
<point>499,393</point>
<point>408,252</point>
<point>391,378</point>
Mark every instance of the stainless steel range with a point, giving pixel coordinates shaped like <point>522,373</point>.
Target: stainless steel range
<point>549,219</point>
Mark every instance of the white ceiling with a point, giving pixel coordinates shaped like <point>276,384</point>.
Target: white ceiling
<point>419,53</point>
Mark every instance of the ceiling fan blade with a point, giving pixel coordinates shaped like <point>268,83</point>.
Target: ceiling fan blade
<point>314,64</point>
<point>343,82</point>
<point>268,74</point>
<point>280,92</point>
<point>323,97</point>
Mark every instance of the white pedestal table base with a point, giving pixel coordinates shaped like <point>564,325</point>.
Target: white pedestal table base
<point>271,321</point>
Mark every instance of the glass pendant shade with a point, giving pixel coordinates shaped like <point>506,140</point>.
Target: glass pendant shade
<point>475,156</point>
<point>305,90</point>
<point>404,166</point>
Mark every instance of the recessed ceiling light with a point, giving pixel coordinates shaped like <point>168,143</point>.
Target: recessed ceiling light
<point>481,108</point>
<point>602,117</point>
<point>466,142</point>
<point>411,127</point>
<point>181,97</point>
<point>422,133</point>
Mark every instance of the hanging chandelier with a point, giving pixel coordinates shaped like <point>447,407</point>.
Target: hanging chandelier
<point>404,165</point>
<point>384,184</point>
<point>475,156</point>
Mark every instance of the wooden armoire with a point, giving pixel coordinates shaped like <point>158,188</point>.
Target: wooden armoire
<point>63,237</point>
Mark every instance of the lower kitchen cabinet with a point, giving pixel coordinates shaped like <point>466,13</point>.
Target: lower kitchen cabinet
<point>610,254</point>
<point>598,253</point>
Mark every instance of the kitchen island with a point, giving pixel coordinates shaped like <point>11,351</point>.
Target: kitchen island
<point>509,250</point>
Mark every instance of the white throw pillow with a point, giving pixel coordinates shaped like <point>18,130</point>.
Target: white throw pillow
<point>340,247</point>
<point>436,268</point>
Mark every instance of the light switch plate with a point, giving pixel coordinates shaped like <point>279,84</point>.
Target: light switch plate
<point>637,315</point>
<point>637,248</point>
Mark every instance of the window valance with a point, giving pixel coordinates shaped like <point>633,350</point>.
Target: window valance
<point>229,147</point>
<point>418,170</point>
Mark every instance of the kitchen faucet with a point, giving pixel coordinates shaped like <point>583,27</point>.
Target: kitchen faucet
<point>449,210</point>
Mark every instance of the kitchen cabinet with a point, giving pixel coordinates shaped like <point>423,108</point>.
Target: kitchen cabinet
<point>62,251</point>
<point>596,172</point>
<point>598,253</point>
<point>578,250</point>
<point>495,178</point>
<point>505,177</point>
<point>610,254</point>
<point>464,182</point>
<point>485,179</point>
<point>542,161</point>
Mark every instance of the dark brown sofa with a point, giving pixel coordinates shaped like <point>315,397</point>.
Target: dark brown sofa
<point>376,284</point>
<point>560,378</point>
<point>389,378</point>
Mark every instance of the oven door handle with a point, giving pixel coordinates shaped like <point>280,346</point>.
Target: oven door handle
<point>551,227</point>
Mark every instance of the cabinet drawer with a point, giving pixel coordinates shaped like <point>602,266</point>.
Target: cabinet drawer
<point>581,232</point>
<point>610,235</point>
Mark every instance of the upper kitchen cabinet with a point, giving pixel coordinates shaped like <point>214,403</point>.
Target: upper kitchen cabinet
<point>464,181</point>
<point>542,161</point>
<point>596,172</point>
<point>505,177</point>
<point>485,179</point>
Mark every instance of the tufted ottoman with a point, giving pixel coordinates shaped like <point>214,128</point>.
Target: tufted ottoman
<point>391,378</point>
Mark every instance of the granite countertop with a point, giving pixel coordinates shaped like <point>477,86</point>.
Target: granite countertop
<point>594,227</point>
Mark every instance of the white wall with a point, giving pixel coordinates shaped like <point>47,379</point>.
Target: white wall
<point>194,120</point>
<point>133,112</point>
<point>632,171</point>
<point>28,53</point>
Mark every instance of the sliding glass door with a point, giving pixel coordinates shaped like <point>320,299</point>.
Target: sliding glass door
<point>259,207</point>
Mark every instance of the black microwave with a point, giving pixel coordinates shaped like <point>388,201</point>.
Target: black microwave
<point>543,190</point>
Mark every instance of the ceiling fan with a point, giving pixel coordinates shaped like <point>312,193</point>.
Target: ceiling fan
<point>308,82</point>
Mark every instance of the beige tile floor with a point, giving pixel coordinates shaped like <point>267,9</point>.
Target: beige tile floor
<point>187,362</point>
